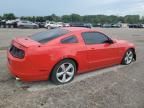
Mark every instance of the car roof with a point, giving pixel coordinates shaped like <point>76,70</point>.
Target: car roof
<point>72,29</point>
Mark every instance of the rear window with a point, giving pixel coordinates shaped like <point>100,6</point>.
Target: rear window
<point>46,36</point>
<point>70,39</point>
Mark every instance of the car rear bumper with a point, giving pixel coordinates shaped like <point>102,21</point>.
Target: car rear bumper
<point>24,70</point>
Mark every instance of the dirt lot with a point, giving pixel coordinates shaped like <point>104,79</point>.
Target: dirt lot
<point>114,87</point>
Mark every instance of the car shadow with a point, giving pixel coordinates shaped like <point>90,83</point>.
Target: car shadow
<point>45,85</point>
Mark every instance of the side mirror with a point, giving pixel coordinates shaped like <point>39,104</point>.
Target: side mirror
<point>109,41</point>
<point>114,41</point>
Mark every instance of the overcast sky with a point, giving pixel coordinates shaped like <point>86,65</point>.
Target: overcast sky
<point>61,7</point>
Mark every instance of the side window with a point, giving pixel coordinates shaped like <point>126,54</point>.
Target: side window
<point>94,38</point>
<point>70,39</point>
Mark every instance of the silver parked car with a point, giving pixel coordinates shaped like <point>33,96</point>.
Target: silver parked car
<point>27,24</point>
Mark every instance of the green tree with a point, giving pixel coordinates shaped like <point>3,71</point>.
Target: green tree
<point>75,18</point>
<point>23,18</point>
<point>52,17</point>
<point>47,18</point>
<point>94,19</point>
<point>9,16</point>
<point>89,19</point>
<point>66,18</point>
<point>29,18</point>
<point>55,18</point>
<point>40,19</point>
<point>132,19</point>
<point>142,19</point>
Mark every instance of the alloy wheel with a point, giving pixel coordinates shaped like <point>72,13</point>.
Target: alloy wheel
<point>65,72</point>
<point>129,57</point>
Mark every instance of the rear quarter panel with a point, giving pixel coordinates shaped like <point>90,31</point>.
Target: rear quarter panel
<point>45,57</point>
<point>124,46</point>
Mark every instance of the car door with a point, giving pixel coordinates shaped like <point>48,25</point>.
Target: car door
<point>101,50</point>
<point>30,24</point>
<point>26,25</point>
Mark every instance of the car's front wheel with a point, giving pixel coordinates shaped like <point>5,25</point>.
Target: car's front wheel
<point>63,72</point>
<point>128,57</point>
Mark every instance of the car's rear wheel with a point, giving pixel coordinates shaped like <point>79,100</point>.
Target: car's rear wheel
<point>63,72</point>
<point>35,27</point>
<point>128,57</point>
<point>21,26</point>
<point>48,27</point>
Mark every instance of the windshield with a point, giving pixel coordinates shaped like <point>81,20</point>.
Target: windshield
<point>46,36</point>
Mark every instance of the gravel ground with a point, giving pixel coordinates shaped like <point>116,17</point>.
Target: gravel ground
<point>114,87</point>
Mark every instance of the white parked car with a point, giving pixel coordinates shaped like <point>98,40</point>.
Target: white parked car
<point>66,25</point>
<point>51,24</point>
<point>27,24</point>
<point>11,21</point>
<point>142,25</point>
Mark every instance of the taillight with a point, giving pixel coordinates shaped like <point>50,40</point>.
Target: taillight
<point>16,52</point>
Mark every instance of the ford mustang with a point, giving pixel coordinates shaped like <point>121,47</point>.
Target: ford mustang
<point>59,54</point>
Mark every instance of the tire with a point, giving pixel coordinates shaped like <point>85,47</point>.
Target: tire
<point>128,57</point>
<point>63,72</point>
<point>35,27</point>
<point>48,27</point>
<point>21,26</point>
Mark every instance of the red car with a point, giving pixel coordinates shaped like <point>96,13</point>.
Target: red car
<point>59,54</point>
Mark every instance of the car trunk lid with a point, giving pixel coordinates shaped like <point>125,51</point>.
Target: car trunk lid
<point>26,42</point>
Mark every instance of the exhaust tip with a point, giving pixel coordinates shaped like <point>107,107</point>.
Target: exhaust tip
<point>18,79</point>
